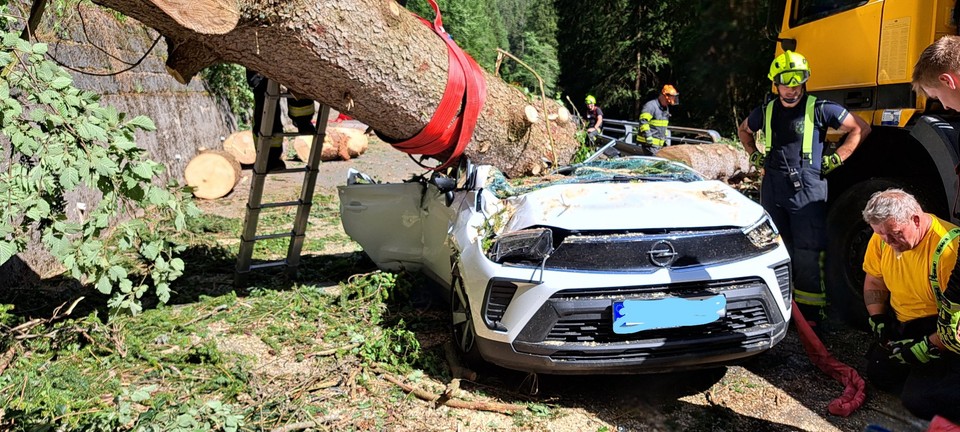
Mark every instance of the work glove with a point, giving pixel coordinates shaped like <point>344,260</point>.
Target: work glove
<point>757,159</point>
<point>830,163</point>
<point>882,327</point>
<point>914,351</point>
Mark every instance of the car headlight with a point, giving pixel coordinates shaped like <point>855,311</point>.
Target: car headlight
<point>762,234</point>
<point>525,245</point>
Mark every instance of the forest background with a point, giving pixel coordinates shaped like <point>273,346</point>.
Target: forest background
<point>717,54</point>
<point>623,51</point>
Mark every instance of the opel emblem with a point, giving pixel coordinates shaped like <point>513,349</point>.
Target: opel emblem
<point>662,254</point>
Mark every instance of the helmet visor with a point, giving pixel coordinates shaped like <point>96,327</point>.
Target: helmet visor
<point>791,78</point>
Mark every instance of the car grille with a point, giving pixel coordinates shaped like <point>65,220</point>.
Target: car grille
<point>575,329</point>
<point>577,324</point>
<point>633,252</point>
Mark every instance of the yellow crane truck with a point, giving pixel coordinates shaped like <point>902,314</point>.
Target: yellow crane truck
<point>861,55</point>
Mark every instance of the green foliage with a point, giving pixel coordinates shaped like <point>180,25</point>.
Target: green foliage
<point>229,82</point>
<point>616,50</point>
<point>525,29</point>
<point>62,141</point>
<point>726,52</point>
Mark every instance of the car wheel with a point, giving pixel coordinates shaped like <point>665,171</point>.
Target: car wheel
<point>847,239</point>
<point>464,333</point>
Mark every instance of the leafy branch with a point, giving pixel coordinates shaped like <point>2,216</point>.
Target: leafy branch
<point>62,140</point>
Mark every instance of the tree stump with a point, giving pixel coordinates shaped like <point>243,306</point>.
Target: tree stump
<point>212,173</point>
<point>339,143</point>
<point>242,146</point>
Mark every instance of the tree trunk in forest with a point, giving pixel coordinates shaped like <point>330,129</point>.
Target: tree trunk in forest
<point>371,59</point>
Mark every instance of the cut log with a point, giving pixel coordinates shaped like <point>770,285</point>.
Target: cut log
<point>714,161</point>
<point>241,146</point>
<point>212,173</point>
<point>340,143</point>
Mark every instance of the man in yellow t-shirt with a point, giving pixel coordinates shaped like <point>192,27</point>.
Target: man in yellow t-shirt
<point>909,355</point>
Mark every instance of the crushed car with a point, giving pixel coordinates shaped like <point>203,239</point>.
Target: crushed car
<point>627,265</point>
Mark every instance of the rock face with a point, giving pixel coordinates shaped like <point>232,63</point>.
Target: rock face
<point>187,117</point>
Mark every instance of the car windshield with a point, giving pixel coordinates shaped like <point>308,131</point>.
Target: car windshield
<point>636,169</point>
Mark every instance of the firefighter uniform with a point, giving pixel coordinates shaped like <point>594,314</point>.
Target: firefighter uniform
<point>654,119</point>
<point>793,191</point>
<point>300,112</point>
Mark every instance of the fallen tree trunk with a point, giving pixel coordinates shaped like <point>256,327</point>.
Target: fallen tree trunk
<point>714,161</point>
<point>371,59</point>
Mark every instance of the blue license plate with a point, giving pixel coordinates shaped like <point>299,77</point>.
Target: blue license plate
<point>631,316</point>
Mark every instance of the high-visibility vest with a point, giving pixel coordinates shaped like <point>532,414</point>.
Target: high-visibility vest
<point>948,313</point>
<point>808,116</point>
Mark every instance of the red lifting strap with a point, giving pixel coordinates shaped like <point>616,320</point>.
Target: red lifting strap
<point>854,391</point>
<point>449,127</point>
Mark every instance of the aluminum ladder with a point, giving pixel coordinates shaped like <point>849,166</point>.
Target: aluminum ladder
<point>249,234</point>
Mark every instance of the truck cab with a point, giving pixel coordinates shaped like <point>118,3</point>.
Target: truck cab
<point>861,55</point>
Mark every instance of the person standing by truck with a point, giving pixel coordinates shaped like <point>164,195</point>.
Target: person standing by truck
<point>654,119</point>
<point>794,188</point>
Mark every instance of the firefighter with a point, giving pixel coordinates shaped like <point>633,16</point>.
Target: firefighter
<point>654,119</point>
<point>794,190</point>
<point>300,112</point>
<point>908,260</point>
<point>594,119</point>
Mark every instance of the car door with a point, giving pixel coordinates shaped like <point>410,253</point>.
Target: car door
<point>386,220</point>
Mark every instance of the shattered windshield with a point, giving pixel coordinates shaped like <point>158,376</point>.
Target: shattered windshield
<point>635,169</point>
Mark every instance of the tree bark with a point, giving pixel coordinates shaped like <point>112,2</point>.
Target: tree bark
<point>371,59</point>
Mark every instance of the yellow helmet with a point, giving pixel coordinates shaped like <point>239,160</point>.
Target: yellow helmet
<point>790,69</point>
<point>590,99</point>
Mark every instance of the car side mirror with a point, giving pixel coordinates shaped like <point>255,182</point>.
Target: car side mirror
<point>446,185</point>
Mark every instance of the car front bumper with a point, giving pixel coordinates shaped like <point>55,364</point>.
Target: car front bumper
<point>570,334</point>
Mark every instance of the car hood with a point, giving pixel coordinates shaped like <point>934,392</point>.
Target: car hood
<point>623,206</point>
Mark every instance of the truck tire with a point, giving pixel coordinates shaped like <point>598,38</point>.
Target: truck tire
<point>847,239</point>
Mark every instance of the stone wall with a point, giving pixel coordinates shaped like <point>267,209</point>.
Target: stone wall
<point>93,40</point>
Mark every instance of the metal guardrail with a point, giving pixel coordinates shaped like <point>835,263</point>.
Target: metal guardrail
<point>621,134</point>
<point>626,131</point>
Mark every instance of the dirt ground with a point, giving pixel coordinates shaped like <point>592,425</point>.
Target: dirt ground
<point>779,390</point>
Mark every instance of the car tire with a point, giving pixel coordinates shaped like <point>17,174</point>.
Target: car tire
<point>847,239</point>
<point>463,332</point>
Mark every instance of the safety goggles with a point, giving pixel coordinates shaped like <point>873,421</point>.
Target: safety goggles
<point>791,78</point>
